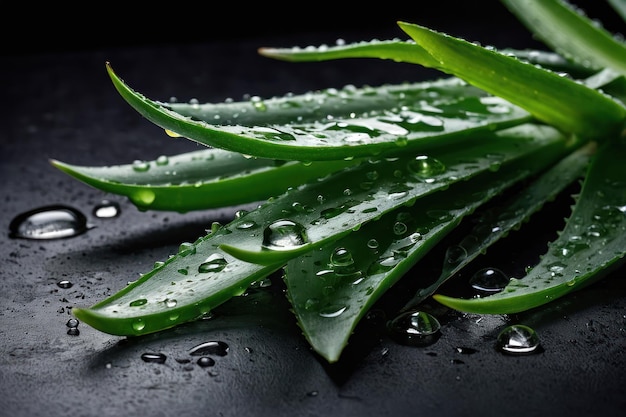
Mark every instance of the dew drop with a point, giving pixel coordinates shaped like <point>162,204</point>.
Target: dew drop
<point>489,280</point>
<point>65,284</point>
<point>214,263</point>
<point>73,331</point>
<point>49,222</point>
<point>284,235</point>
<point>106,209</point>
<point>414,328</point>
<point>170,302</point>
<point>518,339</point>
<point>162,160</point>
<point>332,310</point>
<point>205,361</point>
<point>72,323</point>
<point>140,166</point>
<point>214,347</point>
<point>139,302</point>
<point>425,168</point>
<point>139,325</point>
<point>153,357</point>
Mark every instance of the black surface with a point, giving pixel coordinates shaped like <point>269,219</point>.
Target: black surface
<point>59,103</point>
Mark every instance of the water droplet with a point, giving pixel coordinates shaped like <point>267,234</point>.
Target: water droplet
<point>284,235</point>
<point>332,310</point>
<point>518,339</point>
<point>72,323</point>
<point>106,209</point>
<point>214,263</point>
<point>65,284</point>
<point>138,302</point>
<point>186,249</point>
<point>425,168</point>
<point>205,361</point>
<point>139,325</point>
<point>414,328</point>
<point>162,160</point>
<point>489,280</point>
<point>214,347</point>
<point>140,166</point>
<point>73,331</point>
<point>154,357</point>
<point>49,222</point>
<point>170,302</point>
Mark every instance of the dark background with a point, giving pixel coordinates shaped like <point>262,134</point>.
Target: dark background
<point>58,103</point>
<point>63,26</point>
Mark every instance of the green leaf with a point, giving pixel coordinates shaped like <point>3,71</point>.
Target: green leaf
<point>592,243</point>
<point>199,180</point>
<point>185,287</point>
<point>499,221</point>
<point>332,289</point>
<point>336,124</point>
<point>556,100</point>
<point>571,33</point>
<point>346,200</point>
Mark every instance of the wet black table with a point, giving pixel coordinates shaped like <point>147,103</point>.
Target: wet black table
<point>59,103</point>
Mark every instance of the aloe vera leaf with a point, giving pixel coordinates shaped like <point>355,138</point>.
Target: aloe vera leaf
<point>408,52</point>
<point>394,49</point>
<point>178,290</point>
<point>346,200</point>
<point>592,243</point>
<point>332,289</point>
<point>498,222</point>
<point>198,180</point>
<point>185,287</point>
<point>336,124</point>
<point>571,33</point>
<point>551,98</point>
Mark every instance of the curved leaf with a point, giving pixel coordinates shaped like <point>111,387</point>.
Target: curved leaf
<point>496,223</point>
<point>346,200</point>
<point>554,99</point>
<point>336,124</point>
<point>570,33</point>
<point>592,243</point>
<point>332,289</point>
<point>200,180</point>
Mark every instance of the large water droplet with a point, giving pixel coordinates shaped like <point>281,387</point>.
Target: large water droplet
<point>426,168</point>
<point>214,347</point>
<point>489,280</point>
<point>214,263</point>
<point>518,339</point>
<point>284,235</point>
<point>49,222</point>
<point>414,328</point>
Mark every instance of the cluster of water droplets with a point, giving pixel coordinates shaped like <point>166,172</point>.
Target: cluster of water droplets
<point>204,354</point>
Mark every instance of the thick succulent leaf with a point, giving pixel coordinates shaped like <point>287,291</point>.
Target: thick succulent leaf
<point>345,201</point>
<point>336,124</point>
<point>185,287</point>
<point>409,52</point>
<point>499,221</point>
<point>332,289</point>
<point>556,100</point>
<point>568,31</point>
<point>198,180</point>
<point>592,243</point>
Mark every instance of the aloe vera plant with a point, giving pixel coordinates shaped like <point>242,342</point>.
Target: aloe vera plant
<point>356,185</point>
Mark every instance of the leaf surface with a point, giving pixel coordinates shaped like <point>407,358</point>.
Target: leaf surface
<point>592,243</point>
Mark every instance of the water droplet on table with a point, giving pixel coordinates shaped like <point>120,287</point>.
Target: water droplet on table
<point>49,222</point>
<point>518,339</point>
<point>414,328</point>
<point>106,209</point>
